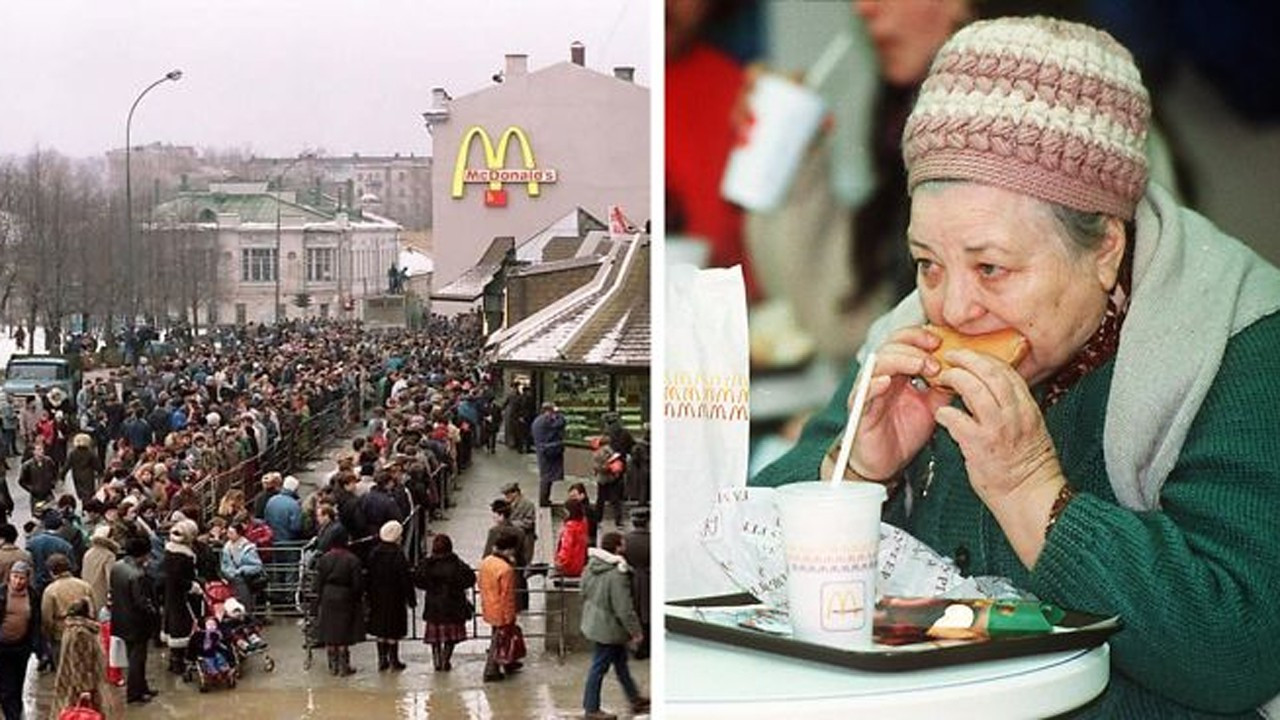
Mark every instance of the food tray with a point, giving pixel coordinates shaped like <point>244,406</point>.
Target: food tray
<point>717,619</point>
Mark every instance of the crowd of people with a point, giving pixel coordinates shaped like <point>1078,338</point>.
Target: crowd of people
<point>180,513</point>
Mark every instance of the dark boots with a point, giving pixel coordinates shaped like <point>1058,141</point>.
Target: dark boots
<point>344,661</point>
<point>389,657</point>
<point>442,656</point>
<point>447,663</point>
<point>384,656</point>
<point>393,657</point>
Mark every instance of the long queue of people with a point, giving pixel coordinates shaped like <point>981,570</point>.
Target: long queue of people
<point>146,539</point>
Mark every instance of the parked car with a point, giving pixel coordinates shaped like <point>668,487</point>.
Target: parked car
<point>25,372</point>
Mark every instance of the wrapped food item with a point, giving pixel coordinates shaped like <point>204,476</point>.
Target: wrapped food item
<point>901,621</point>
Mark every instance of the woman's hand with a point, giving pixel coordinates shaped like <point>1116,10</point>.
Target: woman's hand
<point>1012,464</point>
<point>899,418</point>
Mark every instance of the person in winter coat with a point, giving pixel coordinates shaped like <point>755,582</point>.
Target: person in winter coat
<point>82,666</point>
<point>85,465</point>
<point>133,615</point>
<point>98,561</point>
<point>637,555</point>
<point>610,621</point>
<point>339,592</point>
<point>445,579</point>
<point>241,565</point>
<point>19,635</point>
<point>497,579</point>
<point>571,547</point>
<point>283,512</point>
<point>548,445</point>
<point>10,553</point>
<point>390,592</point>
<point>181,592</point>
<point>39,475</point>
<point>57,599</point>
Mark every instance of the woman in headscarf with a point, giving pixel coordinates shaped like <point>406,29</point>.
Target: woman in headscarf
<point>445,607</point>
<point>181,592</point>
<point>339,592</point>
<point>82,667</point>
<point>1127,463</point>
<point>390,593</point>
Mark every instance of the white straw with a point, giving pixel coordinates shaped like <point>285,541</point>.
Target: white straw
<point>826,63</point>
<point>855,418</point>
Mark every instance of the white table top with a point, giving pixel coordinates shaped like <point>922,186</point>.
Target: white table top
<point>708,680</point>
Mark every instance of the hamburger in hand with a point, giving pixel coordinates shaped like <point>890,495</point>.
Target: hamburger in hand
<point>1007,345</point>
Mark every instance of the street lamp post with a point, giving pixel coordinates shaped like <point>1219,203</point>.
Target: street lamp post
<point>280,189</point>
<point>173,75</point>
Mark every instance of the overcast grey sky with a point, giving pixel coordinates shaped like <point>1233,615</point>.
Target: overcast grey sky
<point>279,76</point>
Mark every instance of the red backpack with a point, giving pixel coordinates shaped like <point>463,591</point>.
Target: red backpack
<point>259,533</point>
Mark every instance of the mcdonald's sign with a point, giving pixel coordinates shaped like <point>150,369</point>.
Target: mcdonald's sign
<point>494,173</point>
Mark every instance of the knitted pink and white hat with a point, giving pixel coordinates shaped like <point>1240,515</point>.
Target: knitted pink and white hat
<point>1052,109</point>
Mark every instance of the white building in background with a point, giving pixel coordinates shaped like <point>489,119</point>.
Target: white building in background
<point>318,262</point>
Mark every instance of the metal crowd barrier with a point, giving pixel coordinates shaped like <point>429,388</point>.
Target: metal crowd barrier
<point>289,453</point>
<point>549,589</point>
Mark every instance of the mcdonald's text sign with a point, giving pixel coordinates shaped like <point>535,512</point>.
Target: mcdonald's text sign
<point>495,174</point>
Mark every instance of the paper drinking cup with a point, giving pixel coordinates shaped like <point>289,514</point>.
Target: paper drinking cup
<point>831,535</point>
<point>784,118</point>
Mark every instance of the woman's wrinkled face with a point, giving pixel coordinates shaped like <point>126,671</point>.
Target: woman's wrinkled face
<point>988,259</point>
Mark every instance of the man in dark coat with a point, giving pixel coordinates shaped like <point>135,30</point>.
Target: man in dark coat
<point>548,444</point>
<point>378,506</point>
<point>637,556</point>
<point>38,476</point>
<point>134,615</point>
<point>339,591</point>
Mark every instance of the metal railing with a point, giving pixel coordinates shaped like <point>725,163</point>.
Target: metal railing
<point>290,452</point>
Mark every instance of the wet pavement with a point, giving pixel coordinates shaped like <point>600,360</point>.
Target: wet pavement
<point>548,687</point>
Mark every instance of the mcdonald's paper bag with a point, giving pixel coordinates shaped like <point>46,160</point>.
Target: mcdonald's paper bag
<point>706,411</point>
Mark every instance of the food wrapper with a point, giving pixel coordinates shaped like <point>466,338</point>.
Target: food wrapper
<point>743,533</point>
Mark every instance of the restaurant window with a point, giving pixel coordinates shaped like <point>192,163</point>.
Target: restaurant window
<point>320,264</point>
<point>258,265</point>
<point>584,396</point>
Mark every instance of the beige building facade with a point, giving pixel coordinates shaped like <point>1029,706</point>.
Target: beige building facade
<point>512,159</point>
<point>317,263</point>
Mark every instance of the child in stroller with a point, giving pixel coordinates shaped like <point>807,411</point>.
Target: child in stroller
<point>214,658</point>
<point>245,634</point>
<point>238,628</point>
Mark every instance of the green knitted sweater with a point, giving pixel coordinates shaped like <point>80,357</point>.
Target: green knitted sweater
<point>1197,583</point>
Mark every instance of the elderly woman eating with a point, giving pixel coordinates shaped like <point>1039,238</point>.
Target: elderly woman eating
<point>1129,461</point>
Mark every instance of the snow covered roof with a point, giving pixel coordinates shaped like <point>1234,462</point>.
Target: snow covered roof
<point>603,323</point>
<point>416,262</point>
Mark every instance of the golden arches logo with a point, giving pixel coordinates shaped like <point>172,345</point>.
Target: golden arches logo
<point>843,606</point>
<point>495,174</point>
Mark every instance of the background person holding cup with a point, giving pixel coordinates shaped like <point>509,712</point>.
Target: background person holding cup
<point>1098,473</point>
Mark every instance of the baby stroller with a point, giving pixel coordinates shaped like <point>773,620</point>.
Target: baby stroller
<point>239,629</point>
<point>211,660</point>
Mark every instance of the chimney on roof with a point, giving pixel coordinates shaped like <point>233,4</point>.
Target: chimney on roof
<point>517,64</point>
<point>578,54</point>
<point>625,73</point>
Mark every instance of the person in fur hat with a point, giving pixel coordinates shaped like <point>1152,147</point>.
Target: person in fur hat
<point>181,592</point>
<point>96,568</point>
